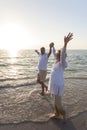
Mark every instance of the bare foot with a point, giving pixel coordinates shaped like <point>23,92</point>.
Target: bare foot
<point>42,94</point>
<point>54,116</point>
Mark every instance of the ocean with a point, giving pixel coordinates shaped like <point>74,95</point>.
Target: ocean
<point>19,92</point>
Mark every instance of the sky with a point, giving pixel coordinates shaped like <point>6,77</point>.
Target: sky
<point>31,24</point>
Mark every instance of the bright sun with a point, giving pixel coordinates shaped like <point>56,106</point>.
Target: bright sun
<point>13,37</point>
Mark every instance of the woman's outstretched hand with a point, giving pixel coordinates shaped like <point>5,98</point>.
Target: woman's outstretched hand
<point>68,38</point>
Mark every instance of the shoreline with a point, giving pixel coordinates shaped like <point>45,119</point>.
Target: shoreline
<point>78,122</point>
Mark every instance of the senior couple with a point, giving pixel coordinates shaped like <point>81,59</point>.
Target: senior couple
<point>56,80</point>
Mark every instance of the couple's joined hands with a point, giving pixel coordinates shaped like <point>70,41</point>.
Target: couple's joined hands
<point>51,44</point>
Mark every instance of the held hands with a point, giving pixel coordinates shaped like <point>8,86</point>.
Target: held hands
<point>68,38</point>
<point>51,45</point>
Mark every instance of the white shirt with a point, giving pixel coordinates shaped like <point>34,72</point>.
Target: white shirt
<point>43,60</point>
<point>56,82</point>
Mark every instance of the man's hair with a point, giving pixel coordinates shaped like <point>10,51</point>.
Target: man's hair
<point>42,48</point>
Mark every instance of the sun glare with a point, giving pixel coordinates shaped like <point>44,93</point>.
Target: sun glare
<point>13,37</point>
<point>12,52</point>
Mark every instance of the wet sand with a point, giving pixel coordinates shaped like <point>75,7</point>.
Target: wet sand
<point>78,122</point>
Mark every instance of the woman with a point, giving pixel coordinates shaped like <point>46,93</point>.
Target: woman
<point>56,82</point>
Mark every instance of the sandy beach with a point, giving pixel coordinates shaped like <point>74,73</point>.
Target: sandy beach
<point>78,122</point>
<point>36,109</point>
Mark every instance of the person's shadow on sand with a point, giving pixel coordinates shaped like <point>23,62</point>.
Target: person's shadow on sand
<point>55,124</point>
<point>78,122</point>
<point>59,125</point>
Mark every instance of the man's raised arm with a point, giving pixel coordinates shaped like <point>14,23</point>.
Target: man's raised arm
<point>37,52</point>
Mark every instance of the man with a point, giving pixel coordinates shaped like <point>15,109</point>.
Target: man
<point>42,66</point>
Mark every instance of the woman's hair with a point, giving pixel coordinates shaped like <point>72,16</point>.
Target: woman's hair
<point>58,54</point>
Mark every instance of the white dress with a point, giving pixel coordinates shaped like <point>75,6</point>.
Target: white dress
<point>56,82</point>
